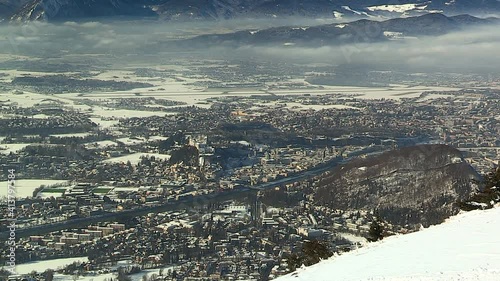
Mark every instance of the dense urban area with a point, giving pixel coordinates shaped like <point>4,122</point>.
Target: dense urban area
<point>216,188</point>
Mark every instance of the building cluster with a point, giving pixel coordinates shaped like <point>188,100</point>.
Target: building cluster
<point>224,242</point>
<point>239,144</point>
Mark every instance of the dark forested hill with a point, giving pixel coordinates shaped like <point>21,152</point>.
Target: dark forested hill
<point>412,185</point>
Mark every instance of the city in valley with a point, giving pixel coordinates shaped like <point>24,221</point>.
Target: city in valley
<point>206,164</point>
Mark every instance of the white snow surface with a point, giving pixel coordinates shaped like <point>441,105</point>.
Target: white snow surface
<point>25,188</point>
<point>347,8</point>
<point>41,266</point>
<point>397,8</point>
<point>135,158</point>
<point>464,248</point>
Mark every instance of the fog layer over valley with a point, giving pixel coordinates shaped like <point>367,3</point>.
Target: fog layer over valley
<point>471,50</point>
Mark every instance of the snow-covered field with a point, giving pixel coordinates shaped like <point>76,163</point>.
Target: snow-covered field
<point>124,113</point>
<point>29,99</point>
<point>109,276</point>
<point>196,97</point>
<point>103,123</point>
<point>12,147</point>
<point>394,92</point>
<point>298,106</point>
<point>150,272</point>
<point>75,135</point>
<point>131,141</point>
<point>101,277</point>
<point>135,158</point>
<point>41,266</point>
<point>24,188</point>
<point>179,91</point>
<point>101,144</point>
<point>464,248</point>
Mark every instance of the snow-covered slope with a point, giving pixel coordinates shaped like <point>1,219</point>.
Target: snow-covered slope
<point>464,248</point>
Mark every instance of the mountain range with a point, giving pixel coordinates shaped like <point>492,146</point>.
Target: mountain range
<point>9,7</point>
<point>360,31</point>
<point>62,10</point>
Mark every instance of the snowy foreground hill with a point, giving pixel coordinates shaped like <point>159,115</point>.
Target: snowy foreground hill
<point>465,247</point>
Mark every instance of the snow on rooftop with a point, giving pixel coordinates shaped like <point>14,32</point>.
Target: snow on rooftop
<point>464,248</point>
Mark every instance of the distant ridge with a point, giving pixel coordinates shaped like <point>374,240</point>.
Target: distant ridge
<point>360,31</point>
<point>64,10</point>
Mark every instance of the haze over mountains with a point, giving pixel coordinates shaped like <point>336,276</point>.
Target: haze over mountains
<point>57,10</point>
<point>361,31</point>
